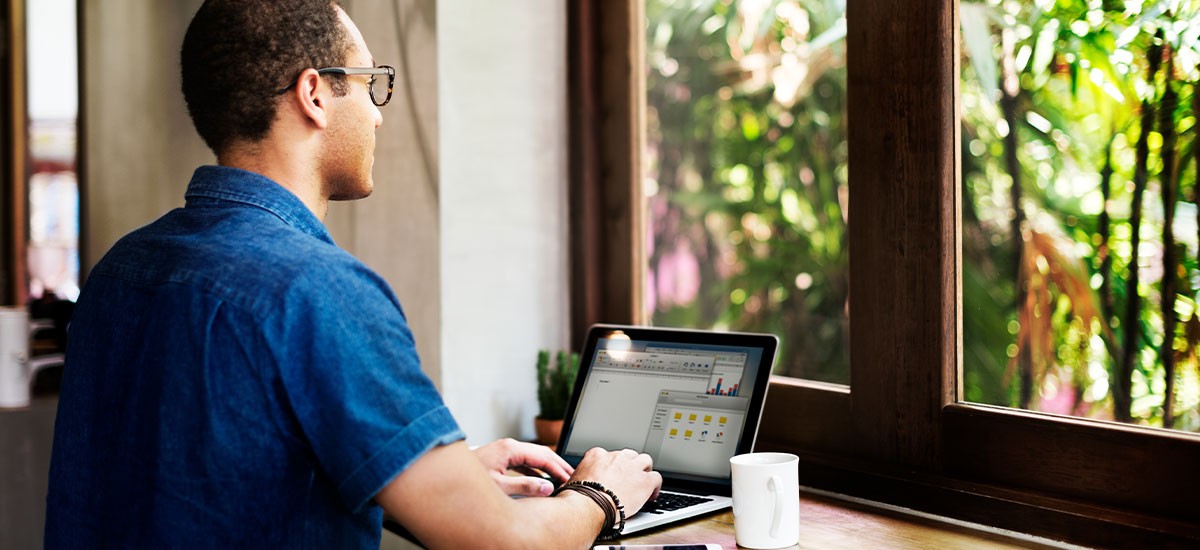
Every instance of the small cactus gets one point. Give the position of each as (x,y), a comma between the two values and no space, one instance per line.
(555,384)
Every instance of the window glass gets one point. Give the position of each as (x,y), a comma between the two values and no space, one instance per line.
(53,100)
(1079,214)
(746,173)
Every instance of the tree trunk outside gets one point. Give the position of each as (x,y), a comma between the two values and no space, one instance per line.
(1104,252)
(1009,88)
(1123,386)
(1166,126)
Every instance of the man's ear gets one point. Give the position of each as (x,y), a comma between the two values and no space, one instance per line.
(311,95)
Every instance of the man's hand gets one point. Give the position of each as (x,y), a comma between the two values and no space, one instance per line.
(627,473)
(504,454)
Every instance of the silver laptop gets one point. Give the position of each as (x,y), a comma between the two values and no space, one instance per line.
(689,399)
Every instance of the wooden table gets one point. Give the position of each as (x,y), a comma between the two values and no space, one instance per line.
(828,522)
(833,522)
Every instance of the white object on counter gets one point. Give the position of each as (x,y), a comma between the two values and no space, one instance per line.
(766,499)
(14,357)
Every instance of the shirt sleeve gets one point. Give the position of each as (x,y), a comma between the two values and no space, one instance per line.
(349,365)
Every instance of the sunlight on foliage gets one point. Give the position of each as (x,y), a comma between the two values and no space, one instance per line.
(1100,128)
(746,165)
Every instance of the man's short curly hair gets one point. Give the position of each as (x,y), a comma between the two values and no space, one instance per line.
(238,54)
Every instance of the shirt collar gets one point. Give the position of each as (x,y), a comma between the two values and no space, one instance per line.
(213,185)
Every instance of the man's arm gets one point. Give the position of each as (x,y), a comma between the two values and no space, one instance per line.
(447,499)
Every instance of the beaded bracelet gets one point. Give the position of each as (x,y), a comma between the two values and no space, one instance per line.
(612,509)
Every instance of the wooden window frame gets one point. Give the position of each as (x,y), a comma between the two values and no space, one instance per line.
(899,433)
(13,182)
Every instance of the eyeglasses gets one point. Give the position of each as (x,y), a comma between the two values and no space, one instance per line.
(376,85)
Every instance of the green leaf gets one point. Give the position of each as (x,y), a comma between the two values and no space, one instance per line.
(1043,53)
(980,45)
(750,128)
(768,19)
(834,34)
(1099,57)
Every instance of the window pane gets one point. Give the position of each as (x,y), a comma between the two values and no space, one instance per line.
(746,174)
(1080,272)
(53,93)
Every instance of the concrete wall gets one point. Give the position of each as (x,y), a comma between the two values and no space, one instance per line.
(467,221)
(139,144)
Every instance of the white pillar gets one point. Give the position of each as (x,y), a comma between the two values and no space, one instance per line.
(503,127)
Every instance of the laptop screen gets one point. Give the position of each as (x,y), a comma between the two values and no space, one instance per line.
(689,399)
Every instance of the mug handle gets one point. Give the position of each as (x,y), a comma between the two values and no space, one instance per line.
(775,484)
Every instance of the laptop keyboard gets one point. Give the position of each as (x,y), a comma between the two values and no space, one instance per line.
(671,501)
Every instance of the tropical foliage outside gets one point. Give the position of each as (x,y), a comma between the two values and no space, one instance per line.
(1078,150)
(1081,299)
(746,182)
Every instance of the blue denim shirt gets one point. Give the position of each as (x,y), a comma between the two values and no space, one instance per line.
(233,377)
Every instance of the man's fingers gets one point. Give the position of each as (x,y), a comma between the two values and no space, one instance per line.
(657,485)
(509,454)
(524,486)
(557,470)
(542,458)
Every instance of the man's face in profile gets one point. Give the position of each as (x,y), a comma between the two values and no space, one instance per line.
(350,154)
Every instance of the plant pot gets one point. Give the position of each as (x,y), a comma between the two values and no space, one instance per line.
(547,431)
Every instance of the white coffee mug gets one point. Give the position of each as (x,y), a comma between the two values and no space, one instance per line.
(14,357)
(766,499)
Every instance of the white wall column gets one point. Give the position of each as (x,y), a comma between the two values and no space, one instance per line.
(503,130)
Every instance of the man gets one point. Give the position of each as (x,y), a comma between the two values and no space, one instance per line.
(235,378)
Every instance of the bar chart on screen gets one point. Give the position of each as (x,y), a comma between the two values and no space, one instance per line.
(720,388)
(725,380)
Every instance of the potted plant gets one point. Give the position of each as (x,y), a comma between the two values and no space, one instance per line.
(555,384)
